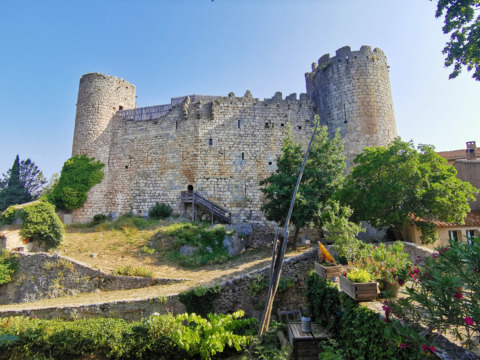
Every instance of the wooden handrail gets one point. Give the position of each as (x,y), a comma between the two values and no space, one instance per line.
(197,199)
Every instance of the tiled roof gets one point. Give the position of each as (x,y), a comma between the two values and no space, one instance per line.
(472,220)
(455,154)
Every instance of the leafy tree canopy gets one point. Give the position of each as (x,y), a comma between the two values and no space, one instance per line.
(462,22)
(79,174)
(397,185)
(322,176)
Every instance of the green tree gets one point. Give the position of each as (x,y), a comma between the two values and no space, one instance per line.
(13,191)
(462,22)
(30,176)
(322,176)
(79,174)
(396,185)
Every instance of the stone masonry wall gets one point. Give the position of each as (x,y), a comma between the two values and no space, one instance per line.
(353,94)
(223,148)
(44,276)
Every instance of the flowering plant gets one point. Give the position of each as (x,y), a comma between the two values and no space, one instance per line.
(388,264)
(445,293)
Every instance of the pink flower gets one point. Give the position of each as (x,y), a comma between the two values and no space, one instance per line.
(468,320)
(432,349)
(434,255)
(416,271)
(424,348)
(458,295)
(374,247)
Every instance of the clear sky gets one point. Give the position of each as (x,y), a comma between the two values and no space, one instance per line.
(170,48)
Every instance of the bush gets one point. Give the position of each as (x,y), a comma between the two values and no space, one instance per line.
(133,271)
(445,293)
(8,216)
(99,219)
(359,332)
(159,336)
(8,266)
(79,174)
(40,223)
(200,300)
(160,211)
(358,276)
(208,240)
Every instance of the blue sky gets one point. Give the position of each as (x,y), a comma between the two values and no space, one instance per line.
(180,47)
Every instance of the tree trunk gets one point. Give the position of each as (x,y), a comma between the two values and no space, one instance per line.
(295,238)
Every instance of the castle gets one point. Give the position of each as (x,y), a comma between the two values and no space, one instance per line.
(222,146)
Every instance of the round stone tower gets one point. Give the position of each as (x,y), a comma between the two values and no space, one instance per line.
(99,98)
(352,93)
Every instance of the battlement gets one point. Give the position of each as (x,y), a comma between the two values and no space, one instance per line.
(346,55)
(157,111)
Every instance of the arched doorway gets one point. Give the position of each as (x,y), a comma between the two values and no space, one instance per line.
(190,187)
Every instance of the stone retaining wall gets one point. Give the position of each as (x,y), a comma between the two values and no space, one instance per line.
(234,296)
(45,276)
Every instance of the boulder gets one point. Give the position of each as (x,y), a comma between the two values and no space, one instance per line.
(188,250)
(234,244)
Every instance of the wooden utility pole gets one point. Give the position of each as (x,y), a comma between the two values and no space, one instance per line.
(277,259)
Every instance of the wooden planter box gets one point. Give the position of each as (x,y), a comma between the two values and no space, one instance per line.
(327,272)
(307,346)
(359,291)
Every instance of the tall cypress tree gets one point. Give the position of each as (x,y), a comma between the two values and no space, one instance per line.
(15,192)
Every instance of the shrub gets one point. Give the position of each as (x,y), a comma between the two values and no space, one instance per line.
(445,293)
(360,333)
(79,174)
(200,300)
(208,240)
(133,271)
(8,266)
(323,300)
(8,216)
(40,223)
(160,211)
(358,276)
(159,336)
(99,219)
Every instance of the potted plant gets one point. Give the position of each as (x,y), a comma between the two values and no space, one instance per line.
(327,269)
(358,284)
(386,264)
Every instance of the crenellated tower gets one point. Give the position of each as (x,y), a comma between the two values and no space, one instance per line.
(99,98)
(352,93)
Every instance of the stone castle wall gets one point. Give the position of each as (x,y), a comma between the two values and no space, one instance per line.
(222,146)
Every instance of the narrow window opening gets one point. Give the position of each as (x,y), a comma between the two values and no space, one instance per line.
(269,163)
(176,125)
(190,187)
(126,167)
(139,211)
(210,142)
(267,125)
(120,107)
(243,156)
(238,124)
(282,124)
(299,128)
(155,122)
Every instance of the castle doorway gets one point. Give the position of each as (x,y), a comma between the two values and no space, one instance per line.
(190,187)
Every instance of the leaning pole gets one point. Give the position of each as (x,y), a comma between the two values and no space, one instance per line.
(277,259)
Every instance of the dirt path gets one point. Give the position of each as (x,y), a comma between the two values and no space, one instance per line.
(209,275)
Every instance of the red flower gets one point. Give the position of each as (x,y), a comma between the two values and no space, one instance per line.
(416,271)
(458,295)
(468,320)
